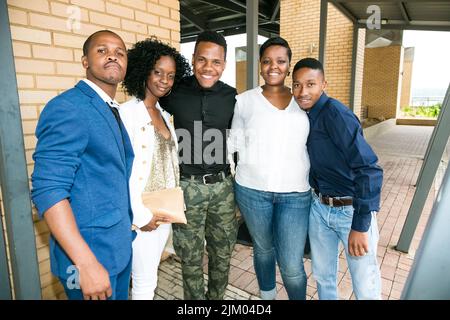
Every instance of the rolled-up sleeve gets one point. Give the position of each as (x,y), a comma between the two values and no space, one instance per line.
(346,133)
(62,138)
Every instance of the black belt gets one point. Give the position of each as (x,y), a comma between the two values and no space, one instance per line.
(333,201)
(209,178)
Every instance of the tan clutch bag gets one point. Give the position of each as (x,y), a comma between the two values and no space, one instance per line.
(168,202)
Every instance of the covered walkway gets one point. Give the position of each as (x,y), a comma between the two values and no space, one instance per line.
(400,150)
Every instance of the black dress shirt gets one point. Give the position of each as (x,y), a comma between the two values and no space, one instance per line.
(196,110)
(342,162)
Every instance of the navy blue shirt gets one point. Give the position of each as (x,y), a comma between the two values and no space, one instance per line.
(342,162)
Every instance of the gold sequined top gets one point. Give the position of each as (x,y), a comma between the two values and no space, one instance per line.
(165,172)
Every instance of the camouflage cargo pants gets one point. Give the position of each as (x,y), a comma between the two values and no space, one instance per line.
(210,212)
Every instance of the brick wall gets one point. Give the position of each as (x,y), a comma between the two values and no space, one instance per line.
(47,52)
(382,81)
(338,55)
(299,25)
(406,74)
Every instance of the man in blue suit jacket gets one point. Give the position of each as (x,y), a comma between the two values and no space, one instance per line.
(83,161)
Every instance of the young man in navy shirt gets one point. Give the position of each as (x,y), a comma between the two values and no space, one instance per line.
(347,183)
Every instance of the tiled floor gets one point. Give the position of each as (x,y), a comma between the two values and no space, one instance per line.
(400,151)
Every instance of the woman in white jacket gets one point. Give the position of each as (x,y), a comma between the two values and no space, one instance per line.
(153,69)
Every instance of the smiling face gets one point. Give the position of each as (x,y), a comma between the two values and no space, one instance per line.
(106,60)
(274,65)
(161,78)
(307,87)
(208,63)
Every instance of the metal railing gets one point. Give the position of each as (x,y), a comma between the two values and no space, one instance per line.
(426,101)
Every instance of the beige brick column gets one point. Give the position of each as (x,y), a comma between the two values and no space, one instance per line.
(357,95)
(406,74)
(299,25)
(382,81)
(47,45)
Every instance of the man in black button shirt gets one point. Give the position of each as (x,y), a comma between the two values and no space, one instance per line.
(202,107)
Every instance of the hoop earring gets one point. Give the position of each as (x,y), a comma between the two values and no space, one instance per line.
(170,91)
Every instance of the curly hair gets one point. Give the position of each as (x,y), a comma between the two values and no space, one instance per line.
(141,61)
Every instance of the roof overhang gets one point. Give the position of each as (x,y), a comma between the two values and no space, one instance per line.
(227,17)
(398,14)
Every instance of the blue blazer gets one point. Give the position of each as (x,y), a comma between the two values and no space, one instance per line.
(81,155)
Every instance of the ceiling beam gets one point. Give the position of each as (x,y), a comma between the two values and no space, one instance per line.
(385,22)
(227,24)
(275,11)
(234,31)
(233,5)
(197,21)
(230,25)
(217,26)
(228,5)
(387,1)
(411,26)
(221,17)
(404,12)
(261,13)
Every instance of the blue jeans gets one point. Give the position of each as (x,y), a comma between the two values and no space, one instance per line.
(327,227)
(120,284)
(278,225)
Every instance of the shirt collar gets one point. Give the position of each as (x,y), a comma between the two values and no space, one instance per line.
(144,118)
(103,95)
(318,106)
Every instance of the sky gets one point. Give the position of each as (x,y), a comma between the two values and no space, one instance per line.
(431,67)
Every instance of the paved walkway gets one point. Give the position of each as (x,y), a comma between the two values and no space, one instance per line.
(400,150)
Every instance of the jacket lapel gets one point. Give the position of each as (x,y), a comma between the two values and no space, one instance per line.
(103,109)
(129,154)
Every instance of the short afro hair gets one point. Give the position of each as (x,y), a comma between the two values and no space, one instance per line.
(214,37)
(141,61)
(310,63)
(275,41)
(88,41)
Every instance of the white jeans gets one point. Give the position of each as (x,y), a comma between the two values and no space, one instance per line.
(147,250)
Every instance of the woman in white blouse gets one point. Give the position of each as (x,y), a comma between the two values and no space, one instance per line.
(269,132)
(153,68)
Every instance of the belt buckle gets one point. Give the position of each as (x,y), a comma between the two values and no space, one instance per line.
(330,201)
(204,177)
